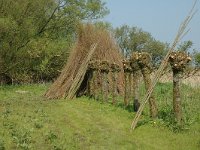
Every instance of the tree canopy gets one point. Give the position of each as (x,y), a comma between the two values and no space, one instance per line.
(36,35)
(132,39)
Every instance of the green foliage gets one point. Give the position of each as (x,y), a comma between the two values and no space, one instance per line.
(132,39)
(185,46)
(36,36)
(22,138)
(197,59)
(2,147)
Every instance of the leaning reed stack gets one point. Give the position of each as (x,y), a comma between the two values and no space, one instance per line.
(107,49)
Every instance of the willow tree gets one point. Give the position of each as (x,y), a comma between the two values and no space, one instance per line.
(145,64)
(178,62)
(115,69)
(127,78)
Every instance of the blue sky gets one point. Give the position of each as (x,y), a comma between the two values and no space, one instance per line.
(161,18)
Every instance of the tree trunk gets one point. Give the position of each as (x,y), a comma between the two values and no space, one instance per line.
(130,87)
(95,84)
(152,103)
(176,97)
(114,87)
(105,87)
(126,89)
(135,91)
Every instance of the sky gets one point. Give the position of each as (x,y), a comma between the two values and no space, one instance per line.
(161,18)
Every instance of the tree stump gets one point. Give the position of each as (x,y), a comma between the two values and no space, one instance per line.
(178,62)
(144,62)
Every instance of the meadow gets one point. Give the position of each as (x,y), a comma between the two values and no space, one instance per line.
(29,121)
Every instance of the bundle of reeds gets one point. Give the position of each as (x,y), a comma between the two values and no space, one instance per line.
(105,50)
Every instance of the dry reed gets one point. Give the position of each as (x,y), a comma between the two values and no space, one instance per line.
(106,49)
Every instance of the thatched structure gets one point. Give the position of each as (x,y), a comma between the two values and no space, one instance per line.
(106,50)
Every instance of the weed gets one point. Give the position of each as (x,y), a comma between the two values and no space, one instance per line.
(22,138)
(2,147)
(51,136)
(38,125)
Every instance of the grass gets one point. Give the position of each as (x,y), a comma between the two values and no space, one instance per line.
(28,121)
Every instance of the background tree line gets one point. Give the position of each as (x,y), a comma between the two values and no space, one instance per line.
(36,37)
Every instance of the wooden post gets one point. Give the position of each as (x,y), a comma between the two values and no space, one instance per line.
(144,62)
(178,62)
(114,69)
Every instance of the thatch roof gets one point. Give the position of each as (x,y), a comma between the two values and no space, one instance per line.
(106,50)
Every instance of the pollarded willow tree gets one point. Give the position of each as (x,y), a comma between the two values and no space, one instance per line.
(178,62)
(143,62)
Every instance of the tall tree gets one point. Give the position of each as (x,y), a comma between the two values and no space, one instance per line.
(35,35)
(132,39)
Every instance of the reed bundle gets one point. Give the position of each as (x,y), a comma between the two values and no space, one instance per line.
(107,49)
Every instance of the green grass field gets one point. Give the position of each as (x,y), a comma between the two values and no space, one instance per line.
(28,121)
